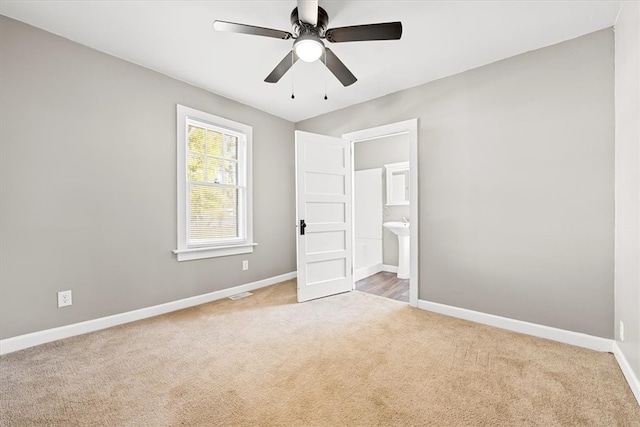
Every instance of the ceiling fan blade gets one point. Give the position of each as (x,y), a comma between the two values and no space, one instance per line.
(358,33)
(281,69)
(338,69)
(250,29)
(308,11)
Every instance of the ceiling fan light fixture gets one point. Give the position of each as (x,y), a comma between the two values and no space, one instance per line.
(308,48)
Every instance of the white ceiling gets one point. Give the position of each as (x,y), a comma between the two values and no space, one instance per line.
(440,38)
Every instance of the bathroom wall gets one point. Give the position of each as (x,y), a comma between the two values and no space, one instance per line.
(367,222)
(375,154)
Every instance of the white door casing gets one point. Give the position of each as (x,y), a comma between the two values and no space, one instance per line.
(324,197)
(409,127)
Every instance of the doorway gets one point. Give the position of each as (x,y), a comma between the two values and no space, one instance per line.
(370,243)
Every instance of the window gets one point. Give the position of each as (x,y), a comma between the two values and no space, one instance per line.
(214,186)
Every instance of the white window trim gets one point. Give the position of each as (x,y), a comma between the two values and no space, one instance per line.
(226,248)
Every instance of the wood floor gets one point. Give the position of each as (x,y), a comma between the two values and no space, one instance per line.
(386,285)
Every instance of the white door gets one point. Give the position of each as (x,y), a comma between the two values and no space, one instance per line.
(323,214)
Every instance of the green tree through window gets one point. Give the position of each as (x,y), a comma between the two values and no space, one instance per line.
(215,214)
(212,176)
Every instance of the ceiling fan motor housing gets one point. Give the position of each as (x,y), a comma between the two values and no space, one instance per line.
(301,28)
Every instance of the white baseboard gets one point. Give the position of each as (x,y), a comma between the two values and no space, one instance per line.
(555,334)
(361,273)
(20,342)
(390,268)
(368,271)
(630,376)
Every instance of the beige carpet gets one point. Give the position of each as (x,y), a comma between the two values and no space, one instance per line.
(351,359)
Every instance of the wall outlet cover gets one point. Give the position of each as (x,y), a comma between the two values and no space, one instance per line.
(64,298)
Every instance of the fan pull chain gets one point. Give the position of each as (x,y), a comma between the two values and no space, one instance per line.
(293,73)
(326,71)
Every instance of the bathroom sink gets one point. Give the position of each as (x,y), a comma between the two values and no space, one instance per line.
(397,227)
(401,229)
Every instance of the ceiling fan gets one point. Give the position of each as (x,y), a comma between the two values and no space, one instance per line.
(309,23)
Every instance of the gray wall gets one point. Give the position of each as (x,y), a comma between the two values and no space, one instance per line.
(376,153)
(516,183)
(88,185)
(627,258)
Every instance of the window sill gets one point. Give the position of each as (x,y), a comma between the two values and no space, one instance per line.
(213,251)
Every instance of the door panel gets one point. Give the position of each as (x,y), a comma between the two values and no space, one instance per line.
(323,190)
(324,212)
(325,271)
(318,183)
(326,242)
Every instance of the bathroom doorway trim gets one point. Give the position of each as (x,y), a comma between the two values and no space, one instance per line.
(409,127)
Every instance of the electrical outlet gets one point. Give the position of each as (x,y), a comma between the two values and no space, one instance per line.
(621,331)
(245,265)
(64,299)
